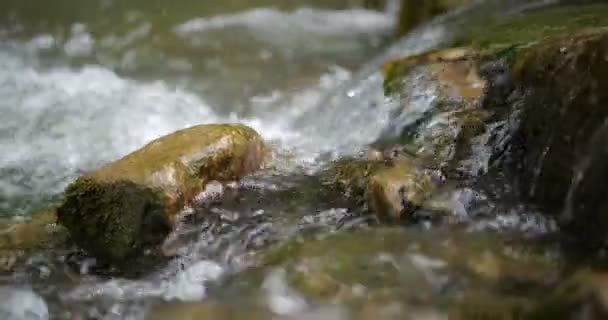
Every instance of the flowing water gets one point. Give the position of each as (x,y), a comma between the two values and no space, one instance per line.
(84,83)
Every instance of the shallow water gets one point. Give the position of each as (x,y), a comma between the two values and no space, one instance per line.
(84,84)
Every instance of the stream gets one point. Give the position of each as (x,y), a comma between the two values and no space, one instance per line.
(83,84)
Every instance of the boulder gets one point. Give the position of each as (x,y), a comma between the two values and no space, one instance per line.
(548,69)
(541,75)
(127,205)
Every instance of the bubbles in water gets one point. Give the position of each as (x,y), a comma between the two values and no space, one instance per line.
(59,122)
(282,299)
(189,285)
(80,42)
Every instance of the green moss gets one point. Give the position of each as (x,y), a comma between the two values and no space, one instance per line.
(327,267)
(339,260)
(481,306)
(114,220)
(532,27)
(350,176)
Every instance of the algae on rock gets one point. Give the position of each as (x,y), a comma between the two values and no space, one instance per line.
(392,189)
(451,112)
(397,264)
(130,204)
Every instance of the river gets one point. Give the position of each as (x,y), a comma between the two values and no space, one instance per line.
(84,83)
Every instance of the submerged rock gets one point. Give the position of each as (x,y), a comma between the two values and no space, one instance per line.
(204,311)
(128,205)
(21,238)
(383,266)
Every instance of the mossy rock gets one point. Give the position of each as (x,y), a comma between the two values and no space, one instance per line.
(561,140)
(582,295)
(442,137)
(391,262)
(22,238)
(392,189)
(394,193)
(532,27)
(204,311)
(544,71)
(350,176)
(127,205)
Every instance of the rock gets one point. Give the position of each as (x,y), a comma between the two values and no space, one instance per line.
(390,264)
(485,305)
(351,176)
(128,205)
(397,191)
(20,238)
(392,188)
(541,73)
(439,127)
(582,295)
(562,136)
(203,311)
(547,68)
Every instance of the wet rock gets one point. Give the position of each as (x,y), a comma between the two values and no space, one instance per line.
(558,90)
(21,238)
(440,93)
(204,311)
(583,295)
(542,73)
(351,176)
(397,191)
(392,188)
(484,305)
(127,205)
(400,265)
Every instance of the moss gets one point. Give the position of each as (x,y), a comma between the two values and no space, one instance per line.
(396,192)
(532,27)
(111,221)
(482,306)
(338,261)
(351,176)
(327,267)
(396,70)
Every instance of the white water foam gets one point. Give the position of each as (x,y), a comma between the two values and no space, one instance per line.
(302,30)
(22,304)
(185,285)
